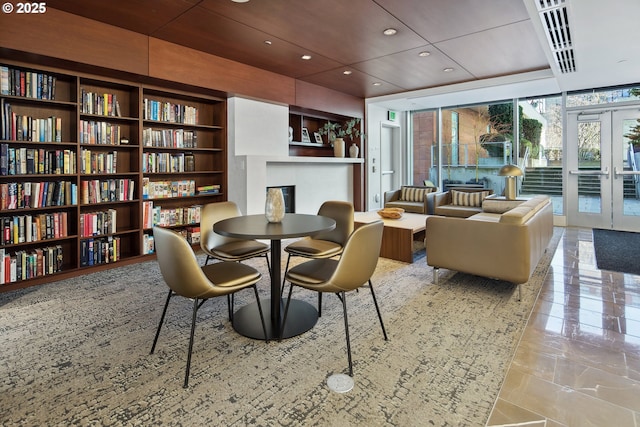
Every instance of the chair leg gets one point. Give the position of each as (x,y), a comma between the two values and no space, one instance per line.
(193,330)
(264,326)
(319,304)
(435,275)
(209,258)
(266,257)
(284,275)
(230,303)
(284,316)
(164,312)
(375,302)
(346,331)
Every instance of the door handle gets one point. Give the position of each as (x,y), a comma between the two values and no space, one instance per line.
(604,172)
(623,172)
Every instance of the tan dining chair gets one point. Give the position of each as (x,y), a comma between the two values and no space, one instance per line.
(185,277)
(353,270)
(225,248)
(327,244)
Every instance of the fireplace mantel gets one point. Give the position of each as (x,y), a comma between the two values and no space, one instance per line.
(317,179)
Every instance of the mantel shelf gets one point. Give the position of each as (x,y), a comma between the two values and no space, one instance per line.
(307,159)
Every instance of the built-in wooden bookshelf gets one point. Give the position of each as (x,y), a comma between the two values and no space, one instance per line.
(89,164)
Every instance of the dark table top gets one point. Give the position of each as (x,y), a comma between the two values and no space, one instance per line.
(257,226)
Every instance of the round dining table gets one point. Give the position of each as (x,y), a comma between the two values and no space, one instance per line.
(302,316)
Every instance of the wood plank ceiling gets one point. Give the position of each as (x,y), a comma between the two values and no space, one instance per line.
(474,39)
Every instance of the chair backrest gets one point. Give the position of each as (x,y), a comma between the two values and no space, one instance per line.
(342,213)
(209,215)
(178,264)
(359,258)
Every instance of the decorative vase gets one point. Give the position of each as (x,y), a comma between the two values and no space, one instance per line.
(354,150)
(338,147)
(274,206)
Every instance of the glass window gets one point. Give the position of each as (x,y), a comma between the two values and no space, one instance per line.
(540,153)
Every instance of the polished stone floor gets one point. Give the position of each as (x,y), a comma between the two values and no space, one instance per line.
(578,363)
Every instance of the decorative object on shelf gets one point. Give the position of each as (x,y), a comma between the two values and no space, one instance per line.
(511,172)
(338,147)
(354,150)
(274,206)
(305,135)
(349,129)
(391,213)
(318,138)
(290,134)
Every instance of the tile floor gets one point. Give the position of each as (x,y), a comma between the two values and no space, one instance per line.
(578,363)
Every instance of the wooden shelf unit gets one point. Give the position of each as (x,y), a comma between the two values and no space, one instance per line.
(93,134)
(313,121)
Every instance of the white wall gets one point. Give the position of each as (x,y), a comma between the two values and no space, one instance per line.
(258,157)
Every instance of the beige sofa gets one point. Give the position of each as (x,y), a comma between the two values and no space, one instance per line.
(411,198)
(459,202)
(504,242)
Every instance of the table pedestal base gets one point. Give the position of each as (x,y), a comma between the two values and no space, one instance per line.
(302,317)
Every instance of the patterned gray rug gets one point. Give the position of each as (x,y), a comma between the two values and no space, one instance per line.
(76,352)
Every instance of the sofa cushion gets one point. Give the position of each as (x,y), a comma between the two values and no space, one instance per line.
(463,198)
(457,211)
(413,194)
(411,207)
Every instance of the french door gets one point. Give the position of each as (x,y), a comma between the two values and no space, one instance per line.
(602,180)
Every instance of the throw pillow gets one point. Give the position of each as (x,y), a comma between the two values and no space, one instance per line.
(464,198)
(412,194)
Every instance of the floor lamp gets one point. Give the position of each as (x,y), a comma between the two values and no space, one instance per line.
(511,172)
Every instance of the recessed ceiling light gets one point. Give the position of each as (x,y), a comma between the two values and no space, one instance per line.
(390,32)
(240,1)
(377,84)
(347,72)
(424,53)
(267,42)
(306,57)
(448,70)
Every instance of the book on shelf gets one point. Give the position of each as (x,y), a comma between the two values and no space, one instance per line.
(209,189)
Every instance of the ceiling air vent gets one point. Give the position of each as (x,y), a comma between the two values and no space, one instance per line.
(555,20)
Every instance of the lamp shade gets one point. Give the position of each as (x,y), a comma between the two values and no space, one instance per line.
(510,170)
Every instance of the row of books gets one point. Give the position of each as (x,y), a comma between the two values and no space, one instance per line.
(107,190)
(170,138)
(103,104)
(169,217)
(98,223)
(102,250)
(20,127)
(168,162)
(169,112)
(33,228)
(24,265)
(92,132)
(191,234)
(98,162)
(33,161)
(17,82)
(167,189)
(20,195)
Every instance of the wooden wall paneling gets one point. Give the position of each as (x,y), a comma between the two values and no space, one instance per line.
(169,61)
(321,98)
(74,38)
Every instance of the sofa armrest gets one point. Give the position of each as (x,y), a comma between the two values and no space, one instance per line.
(439,199)
(391,196)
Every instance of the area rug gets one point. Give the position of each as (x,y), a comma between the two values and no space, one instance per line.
(617,250)
(76,352)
